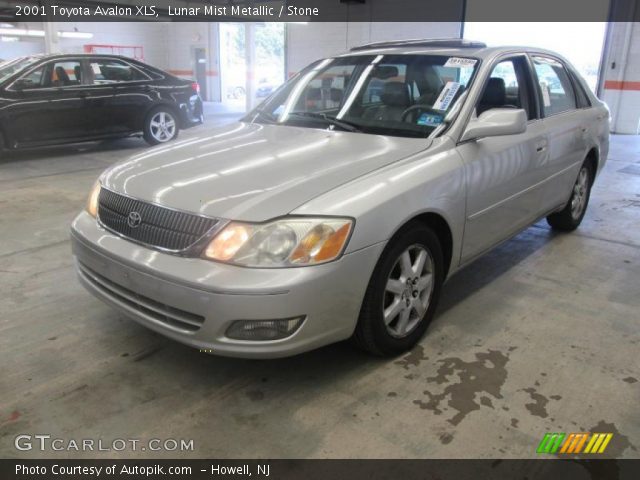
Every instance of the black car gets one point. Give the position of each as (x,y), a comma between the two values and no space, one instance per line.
(55,99)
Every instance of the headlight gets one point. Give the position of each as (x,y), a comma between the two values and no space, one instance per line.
(289,242)
(92,201)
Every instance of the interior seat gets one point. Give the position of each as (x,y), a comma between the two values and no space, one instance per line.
(494,96)
(63,78)
(395,100)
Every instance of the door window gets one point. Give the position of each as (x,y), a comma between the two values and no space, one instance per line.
(64,74)
(508,87)
(555,86)
(53,74)
(106,71)
(33,79)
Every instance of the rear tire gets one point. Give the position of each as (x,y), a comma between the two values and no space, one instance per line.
(570,217)
(403,292)
(160,126)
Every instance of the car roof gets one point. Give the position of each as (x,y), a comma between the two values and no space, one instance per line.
(50,56)
(441,46)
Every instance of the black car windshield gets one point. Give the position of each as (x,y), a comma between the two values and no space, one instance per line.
(399,95)
(7,69)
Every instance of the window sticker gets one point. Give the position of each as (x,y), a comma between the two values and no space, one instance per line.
(446,96)
(458,62)
(429,120)
(96,68)
(546,99)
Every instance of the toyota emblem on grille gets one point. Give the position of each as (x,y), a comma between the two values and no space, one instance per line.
(134,219)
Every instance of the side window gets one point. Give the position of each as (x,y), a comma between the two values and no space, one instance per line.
(107,71)
(53,74)
(32,80)
(554,85)
(64,74)
(581,94)
(504,88)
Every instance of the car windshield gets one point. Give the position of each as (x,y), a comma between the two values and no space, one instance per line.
(399,95)
(10,67)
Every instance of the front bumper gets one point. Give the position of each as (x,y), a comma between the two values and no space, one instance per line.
(194,301)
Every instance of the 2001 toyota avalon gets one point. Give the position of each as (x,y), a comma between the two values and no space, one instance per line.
(339,206)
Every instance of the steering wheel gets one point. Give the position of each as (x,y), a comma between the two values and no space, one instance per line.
(419,108)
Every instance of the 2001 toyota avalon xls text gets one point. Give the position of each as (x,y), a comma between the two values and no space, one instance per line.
(339,206)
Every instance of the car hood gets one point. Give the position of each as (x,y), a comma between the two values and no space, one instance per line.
(253,172)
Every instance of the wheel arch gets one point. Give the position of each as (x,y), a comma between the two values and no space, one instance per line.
(593,160)
(441,228)
(174,108)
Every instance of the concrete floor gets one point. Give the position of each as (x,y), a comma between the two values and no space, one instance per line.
(539,336)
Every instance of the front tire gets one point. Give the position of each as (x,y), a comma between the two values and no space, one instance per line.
(403,292)
(570,217)
(160,126)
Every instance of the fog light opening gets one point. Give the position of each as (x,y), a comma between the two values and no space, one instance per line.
(262,330)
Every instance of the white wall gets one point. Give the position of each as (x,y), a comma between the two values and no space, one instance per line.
(622,77)
(149,35)
(310,42)
(183,38)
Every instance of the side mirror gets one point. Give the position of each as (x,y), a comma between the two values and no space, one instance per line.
(495,122)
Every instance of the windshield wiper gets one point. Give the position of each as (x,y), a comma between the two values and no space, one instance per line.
(348,126)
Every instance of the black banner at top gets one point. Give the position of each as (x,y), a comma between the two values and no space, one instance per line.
(320,10)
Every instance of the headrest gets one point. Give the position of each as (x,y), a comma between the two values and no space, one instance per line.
(385,71)
(395,94)
(495,92)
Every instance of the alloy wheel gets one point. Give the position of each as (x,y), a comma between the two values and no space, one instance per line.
(580,191)
(163,126)
(408,291)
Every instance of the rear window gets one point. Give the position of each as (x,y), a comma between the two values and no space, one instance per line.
(108,71)
(556,89)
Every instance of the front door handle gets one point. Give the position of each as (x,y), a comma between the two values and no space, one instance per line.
(541,146)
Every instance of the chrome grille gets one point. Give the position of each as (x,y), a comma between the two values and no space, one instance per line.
(159,226)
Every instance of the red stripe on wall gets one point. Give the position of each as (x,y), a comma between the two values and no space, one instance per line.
(618,85)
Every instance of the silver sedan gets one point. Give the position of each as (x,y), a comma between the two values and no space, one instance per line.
(338,208)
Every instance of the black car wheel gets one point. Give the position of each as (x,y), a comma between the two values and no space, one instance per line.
(570,217)
(403,292)
(160,126)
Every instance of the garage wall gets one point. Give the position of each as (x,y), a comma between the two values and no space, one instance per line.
(184,37)
(621,76)
(151,36)
(306,43)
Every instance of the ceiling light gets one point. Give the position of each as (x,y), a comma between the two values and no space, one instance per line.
(20,32)
(62,34)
